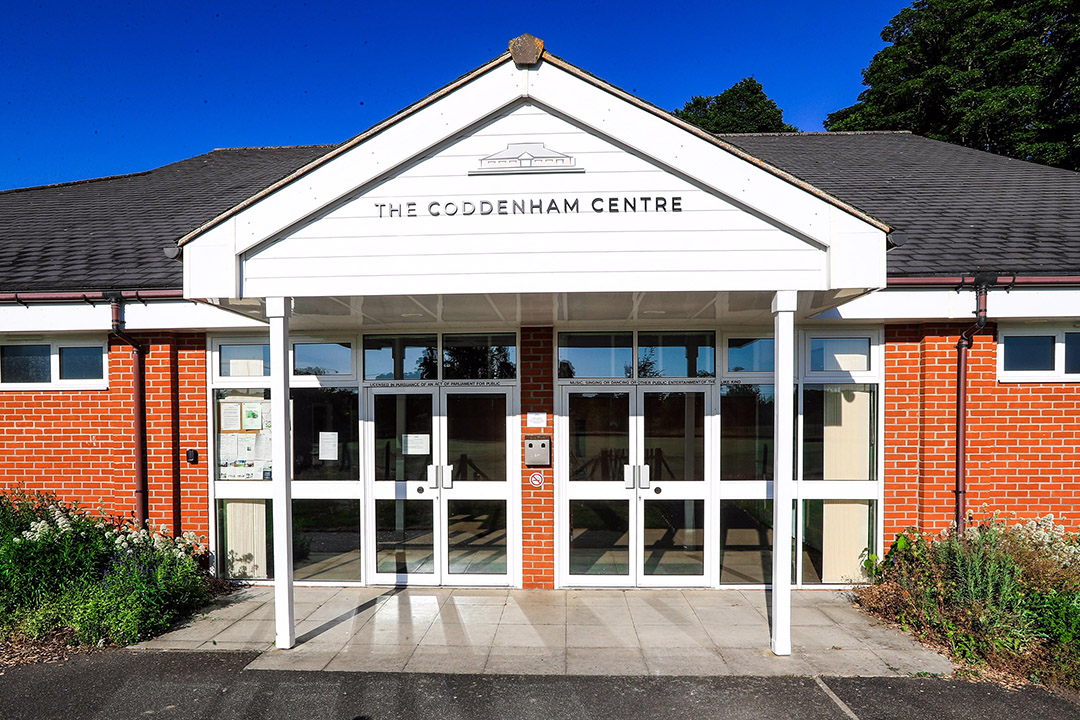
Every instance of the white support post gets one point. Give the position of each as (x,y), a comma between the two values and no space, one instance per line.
(277,311)
(783,308)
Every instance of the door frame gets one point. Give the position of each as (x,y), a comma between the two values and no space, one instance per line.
(438,391)
(636,577)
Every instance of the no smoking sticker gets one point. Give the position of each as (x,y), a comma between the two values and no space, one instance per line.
(537,480)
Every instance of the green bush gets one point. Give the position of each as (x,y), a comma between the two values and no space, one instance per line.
(1004,595)
(102,578)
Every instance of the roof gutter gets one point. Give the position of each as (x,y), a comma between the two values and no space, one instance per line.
(25,298)
(953,281)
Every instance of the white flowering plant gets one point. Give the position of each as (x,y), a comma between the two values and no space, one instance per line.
(105,578)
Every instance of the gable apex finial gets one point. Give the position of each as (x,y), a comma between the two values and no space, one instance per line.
(526,50)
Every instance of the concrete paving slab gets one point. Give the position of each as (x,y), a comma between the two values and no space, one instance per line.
(685,661)
(371,658)
(456,660)
(547,636)
(601,636)
(819,637)
(543,597)
(247,631)
(739,636)
(605,661)
(847,662)
(533,614)
(460,635)
(729,615)
(526,661)
(758,662)
(596,598)
(453,612)
(302,657)
(673,636)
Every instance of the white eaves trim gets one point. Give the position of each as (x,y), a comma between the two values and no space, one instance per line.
(83,317)
(920,305)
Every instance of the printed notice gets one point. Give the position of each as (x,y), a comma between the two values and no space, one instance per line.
(262,447)
(226,448)
(536,419)
(252,416)
(266,416)
(245,448)
(328,446)
(230,417)
(415,444)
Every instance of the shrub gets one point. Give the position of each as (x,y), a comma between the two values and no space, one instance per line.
(103,578)
(998,594)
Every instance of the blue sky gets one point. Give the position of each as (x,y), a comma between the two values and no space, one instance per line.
(89,89)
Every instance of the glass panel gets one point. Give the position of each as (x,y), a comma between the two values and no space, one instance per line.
(596,354)
(599,537)
(404,536)
(25,364)
(326,434)
(242,443)
(479,357)
(402,437)
(244,360)
(326,539)
(674,537)
(81,363)
(245,539)
(675,435)
(746,432)
(1029,352)
(746,541)
(750,355)
(599,436)
(676,354)
(401,357)
(476,436)
(836,533)
(322,359)
(1072,352)
(476,536)
(839,432)
(840,354)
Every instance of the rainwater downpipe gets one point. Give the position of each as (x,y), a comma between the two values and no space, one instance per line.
(982,284)
(138,352)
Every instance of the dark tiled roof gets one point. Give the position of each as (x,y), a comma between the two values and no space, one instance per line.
(962,210)
(109,234)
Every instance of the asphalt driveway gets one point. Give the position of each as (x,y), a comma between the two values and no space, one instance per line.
(123,684)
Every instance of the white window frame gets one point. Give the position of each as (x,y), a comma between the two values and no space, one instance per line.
(56,383)
(1057,374)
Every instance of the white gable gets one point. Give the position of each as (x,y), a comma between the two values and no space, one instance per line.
(534,180)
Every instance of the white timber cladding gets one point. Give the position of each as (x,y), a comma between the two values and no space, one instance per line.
(154,315)
(699,218)
(426,227)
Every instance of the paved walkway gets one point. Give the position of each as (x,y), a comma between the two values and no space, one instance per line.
(555,632)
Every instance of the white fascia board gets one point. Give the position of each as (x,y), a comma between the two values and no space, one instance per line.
(856,253)
(916,305)
(403,141)
(211,267)
(82,317)
(664,142)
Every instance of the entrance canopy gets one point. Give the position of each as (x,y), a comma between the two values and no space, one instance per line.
(519,187)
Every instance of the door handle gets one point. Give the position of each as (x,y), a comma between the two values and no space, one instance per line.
(433,476)
(629,476)
(447,472)
(643,476)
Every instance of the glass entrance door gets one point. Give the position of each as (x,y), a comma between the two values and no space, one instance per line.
(439,471)
(636,462)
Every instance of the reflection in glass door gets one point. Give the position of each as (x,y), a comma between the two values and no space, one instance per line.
(440,482)
(636,492)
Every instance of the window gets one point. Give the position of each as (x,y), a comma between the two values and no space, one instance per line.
(839,354)
(1042,354)
(401,357)
(676,354)
(596,355)
(245,361)
(67,364)
(750,355)
(323,359)
(479,357)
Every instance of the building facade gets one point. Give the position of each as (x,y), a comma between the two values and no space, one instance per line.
(534,332)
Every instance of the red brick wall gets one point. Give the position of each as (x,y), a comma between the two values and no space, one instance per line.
(1023,439)
(536,367)
(79,444)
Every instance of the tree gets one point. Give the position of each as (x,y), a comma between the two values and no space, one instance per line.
(997,75)
(742,108)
